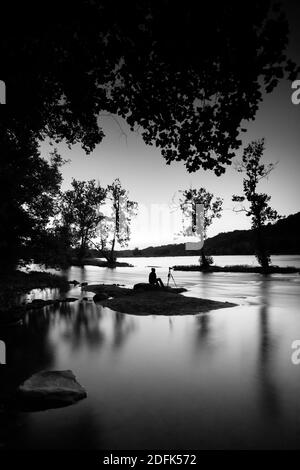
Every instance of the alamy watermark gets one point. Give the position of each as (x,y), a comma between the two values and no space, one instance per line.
(295,357)
(2,352)
(296,94)
(2,92)
(160,220)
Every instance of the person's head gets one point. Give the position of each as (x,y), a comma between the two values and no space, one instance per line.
(153,270)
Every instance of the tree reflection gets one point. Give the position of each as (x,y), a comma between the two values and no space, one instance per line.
(80,324)
(123,326)
(267,389)
(203,321)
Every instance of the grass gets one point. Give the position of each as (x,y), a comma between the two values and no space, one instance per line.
(238,269)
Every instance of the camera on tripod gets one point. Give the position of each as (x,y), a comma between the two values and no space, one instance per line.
(170,276)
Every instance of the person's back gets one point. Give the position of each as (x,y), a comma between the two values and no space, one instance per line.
(152,277)
(153,280)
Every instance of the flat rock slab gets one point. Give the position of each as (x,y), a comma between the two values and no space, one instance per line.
(109,290)
(143,286)
(50,389)
(163,303)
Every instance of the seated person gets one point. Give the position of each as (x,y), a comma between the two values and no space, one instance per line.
(153,280)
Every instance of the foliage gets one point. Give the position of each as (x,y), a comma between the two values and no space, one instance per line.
(259,209)
(28,188)
(211,209)
(80,213)
(240,268)
(187,74)
(96,217)
(115,225)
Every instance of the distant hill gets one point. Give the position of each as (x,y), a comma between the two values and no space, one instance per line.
(281,238)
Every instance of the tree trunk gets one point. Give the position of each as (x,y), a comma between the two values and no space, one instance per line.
(81,253)
(112,260)
(203,261)
(262,255)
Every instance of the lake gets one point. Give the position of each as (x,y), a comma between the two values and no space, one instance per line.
(221,380)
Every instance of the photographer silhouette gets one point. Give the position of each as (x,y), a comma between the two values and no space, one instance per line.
(155,281)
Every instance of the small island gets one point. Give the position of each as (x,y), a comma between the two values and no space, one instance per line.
(238,269)
(141,300)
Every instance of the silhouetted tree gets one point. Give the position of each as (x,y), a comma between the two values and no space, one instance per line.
(259,210)
(55,248)
(136,251)
(186,73)
(29,186)
(115,226)
(212,208)
(80,212)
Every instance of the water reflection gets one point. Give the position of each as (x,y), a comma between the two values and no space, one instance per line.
(203,321)
(123,326)
(203,327)
(270,402)
(214,380)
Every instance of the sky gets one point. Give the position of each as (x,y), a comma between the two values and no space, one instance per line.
(153,184)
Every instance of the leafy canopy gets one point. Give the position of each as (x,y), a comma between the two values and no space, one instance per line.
(115,224)
(80,212)
(211,205)
(187,73)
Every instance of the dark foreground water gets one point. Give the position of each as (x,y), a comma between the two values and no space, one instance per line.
(220,380)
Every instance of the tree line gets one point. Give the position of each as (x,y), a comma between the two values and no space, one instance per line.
(186,74)
(85,217)
(69,225)
(252,202)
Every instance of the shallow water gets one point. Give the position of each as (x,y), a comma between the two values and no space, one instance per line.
(211,381)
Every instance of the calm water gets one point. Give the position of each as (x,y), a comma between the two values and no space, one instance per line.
(220,380)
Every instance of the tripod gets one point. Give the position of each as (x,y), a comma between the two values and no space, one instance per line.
(170,276)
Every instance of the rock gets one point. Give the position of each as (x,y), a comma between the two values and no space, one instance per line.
(75,283)
(50,389)
(100,296)
(111,290)
(67,300)
(145,287)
